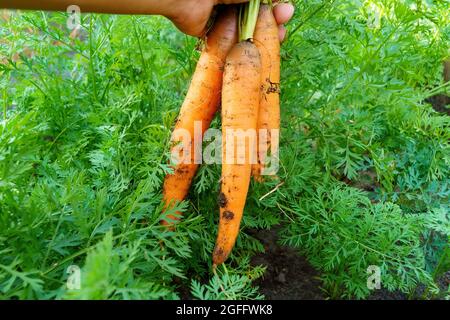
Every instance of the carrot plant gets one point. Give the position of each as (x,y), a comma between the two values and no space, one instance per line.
(85,127)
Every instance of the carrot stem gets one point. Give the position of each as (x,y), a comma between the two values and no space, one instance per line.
(248,16)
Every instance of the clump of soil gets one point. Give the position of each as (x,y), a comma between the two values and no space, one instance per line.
(440,103)
(289,276)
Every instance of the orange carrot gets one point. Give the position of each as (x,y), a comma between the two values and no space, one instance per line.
(267,40)
(201,102)
(240,104)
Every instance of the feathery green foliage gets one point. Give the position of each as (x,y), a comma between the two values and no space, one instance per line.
(84,131)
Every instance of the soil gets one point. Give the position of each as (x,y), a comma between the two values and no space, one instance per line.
(289,276)
(440,103)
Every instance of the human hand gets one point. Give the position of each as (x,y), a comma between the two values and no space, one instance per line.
(191,16)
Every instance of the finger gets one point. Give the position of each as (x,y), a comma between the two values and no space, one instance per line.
(283,12)
(281,32)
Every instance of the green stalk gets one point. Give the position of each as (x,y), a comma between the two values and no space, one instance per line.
(248,15)
(5,106)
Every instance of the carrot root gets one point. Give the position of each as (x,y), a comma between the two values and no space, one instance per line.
(201,102)
(240,104)
(267,40)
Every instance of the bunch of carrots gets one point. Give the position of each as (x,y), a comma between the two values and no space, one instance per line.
(239,70)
